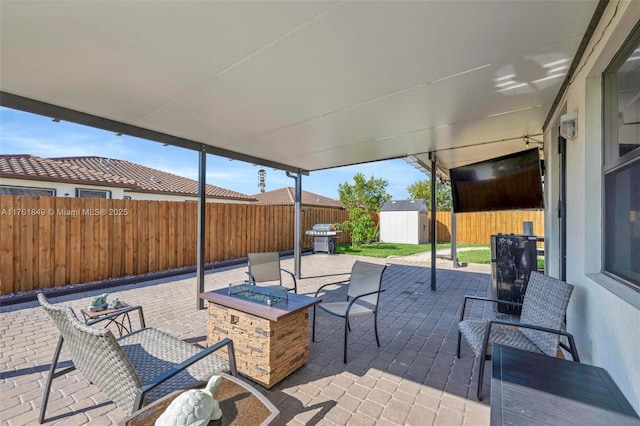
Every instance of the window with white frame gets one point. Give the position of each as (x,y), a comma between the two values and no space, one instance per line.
(621,166)
(92,193)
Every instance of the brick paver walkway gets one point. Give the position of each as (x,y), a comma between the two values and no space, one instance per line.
(414,378)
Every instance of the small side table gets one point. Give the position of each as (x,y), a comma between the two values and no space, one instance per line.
(529,388)
(120,317)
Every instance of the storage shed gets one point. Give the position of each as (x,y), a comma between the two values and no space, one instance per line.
(404,221)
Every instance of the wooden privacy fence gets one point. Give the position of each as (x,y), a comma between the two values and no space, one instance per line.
(52,241)
(477,228)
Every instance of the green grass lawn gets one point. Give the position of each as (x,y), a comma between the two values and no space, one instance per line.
(481,256)
(392,249)
(475,256)
(484,257)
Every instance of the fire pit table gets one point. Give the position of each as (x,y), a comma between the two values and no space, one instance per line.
(269,329)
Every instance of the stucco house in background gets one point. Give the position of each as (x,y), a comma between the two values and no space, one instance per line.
(96,177)
(286,197)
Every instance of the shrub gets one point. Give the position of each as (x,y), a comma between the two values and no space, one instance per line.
(362,227)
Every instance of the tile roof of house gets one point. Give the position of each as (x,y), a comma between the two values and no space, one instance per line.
(286,197)
(107,172)
(151,180)
(27,166)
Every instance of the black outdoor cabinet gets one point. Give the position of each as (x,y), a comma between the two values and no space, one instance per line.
(513,257)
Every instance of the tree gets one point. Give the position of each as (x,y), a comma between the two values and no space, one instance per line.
(368,195)
(421,190)
(361,199)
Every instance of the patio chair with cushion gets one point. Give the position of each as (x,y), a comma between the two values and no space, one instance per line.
(265,268)
(363,286)
(135,369)
(541,324)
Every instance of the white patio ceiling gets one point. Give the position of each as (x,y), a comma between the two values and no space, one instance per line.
(306,85)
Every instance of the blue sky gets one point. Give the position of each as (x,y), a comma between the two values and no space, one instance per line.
(24,133)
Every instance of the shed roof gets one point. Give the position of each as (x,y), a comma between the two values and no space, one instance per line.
(403,206)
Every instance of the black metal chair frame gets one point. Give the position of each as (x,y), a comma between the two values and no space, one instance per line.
(145,388)
(347,326)
(253,280)
(484,357)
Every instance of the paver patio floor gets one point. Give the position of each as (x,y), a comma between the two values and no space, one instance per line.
(414,378)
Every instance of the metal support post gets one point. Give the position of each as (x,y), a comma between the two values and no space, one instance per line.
(454,242)
(432,156)
(297,234)
(202,212)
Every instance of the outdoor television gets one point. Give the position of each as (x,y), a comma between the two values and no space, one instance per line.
(511,182)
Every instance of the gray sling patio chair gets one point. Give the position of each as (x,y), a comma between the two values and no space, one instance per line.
(363,286)
(265,268)
(135,369)
(541,323)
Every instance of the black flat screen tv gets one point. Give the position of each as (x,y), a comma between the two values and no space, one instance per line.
(511,182)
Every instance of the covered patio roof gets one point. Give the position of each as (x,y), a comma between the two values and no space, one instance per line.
(299,86)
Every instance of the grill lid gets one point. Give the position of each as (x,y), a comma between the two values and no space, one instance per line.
(324,227)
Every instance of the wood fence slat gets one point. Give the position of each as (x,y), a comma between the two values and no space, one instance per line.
(251,228)
(212,232)
(191,232)
(75,241)
(29,240)
(129,235)
(8,245)
(153,227)
(142,238)
(171,248)
(244,229)
(62,237)
(104,225)
(45,242)
(180,230)
(208,237)
(116,244)
(87,247)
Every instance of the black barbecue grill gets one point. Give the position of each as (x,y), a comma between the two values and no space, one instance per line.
(324,237)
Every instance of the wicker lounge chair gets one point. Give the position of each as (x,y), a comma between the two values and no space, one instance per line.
(136,368)
(265,267)
(364,286)
(539,330)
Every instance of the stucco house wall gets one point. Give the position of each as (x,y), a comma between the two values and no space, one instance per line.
(603,314)
(167,197)
(62,189)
